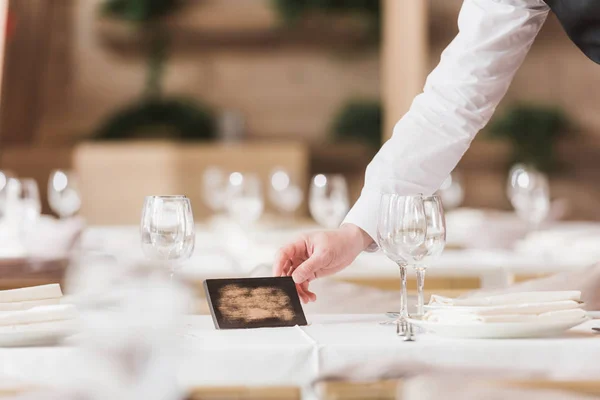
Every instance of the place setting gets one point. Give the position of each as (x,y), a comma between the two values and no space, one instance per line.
(412,232)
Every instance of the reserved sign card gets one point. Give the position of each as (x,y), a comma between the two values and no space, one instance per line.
(254,303)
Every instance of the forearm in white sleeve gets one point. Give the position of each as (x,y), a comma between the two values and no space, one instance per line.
(458,100)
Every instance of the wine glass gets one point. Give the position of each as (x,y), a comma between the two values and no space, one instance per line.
(23,208)
(4,177)
(284,193)
(64,196)
(214,188)
(23,200)
(452,191)
(167,230)
(435,240)
(401,233)
(529,194)
(245,201)
(328,200)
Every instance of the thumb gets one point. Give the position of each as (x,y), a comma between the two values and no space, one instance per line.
(307,270)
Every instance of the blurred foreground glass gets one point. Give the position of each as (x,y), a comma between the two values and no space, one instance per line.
(4,177)
(529,194)
(432,248)
(167,230)
(452,191)
(284,193)
(401,234)
(64,196)
(245,201)
(214,189)
(328,200)
(131,320)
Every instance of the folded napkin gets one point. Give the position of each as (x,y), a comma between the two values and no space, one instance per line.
(26,294)
(25,305)
(507,299)
(50,327)
(525,309)
(445,317)
(39,314)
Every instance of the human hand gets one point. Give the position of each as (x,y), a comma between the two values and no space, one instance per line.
(319,254)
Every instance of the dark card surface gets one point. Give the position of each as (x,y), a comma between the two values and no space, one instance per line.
(254,303)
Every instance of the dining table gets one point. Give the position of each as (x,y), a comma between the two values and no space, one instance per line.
(352,347)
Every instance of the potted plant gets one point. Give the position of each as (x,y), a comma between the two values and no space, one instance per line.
(154,115)
(532,132)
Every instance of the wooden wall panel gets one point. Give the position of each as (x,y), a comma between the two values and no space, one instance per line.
(36,67)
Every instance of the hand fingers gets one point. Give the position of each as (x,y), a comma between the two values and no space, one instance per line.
(307,270)
(295,250)
(311,295)
(302,294)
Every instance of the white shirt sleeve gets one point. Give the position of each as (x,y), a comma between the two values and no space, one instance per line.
(458,100)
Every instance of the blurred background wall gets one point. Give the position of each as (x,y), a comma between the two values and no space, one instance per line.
(69,68)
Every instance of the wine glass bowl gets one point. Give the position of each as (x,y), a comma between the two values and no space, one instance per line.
(167,230)
(64,196)
(245,202)
(285,195)
(214,188)
(529,194)
(328,200)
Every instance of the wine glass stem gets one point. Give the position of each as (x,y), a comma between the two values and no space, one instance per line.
(420,290)
(403,294)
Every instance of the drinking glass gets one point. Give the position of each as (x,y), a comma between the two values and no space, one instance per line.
(214,188)
(401,234)
(23,201)
(23,209)
(167,230)
(284,193)
(328,200)
(4,177)
(529,194)
(245,201)
(452,191)
(64,196)
(432,248)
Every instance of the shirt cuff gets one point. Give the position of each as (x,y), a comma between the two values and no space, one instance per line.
(365,214)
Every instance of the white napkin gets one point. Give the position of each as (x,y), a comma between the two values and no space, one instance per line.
(42,292)
(444,317)
(39,314)
(50,327)
(25,305)
(525,309)
(507,299)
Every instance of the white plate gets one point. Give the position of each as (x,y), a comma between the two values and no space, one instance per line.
(39,334)
(505,330)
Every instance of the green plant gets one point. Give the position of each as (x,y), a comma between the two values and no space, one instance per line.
(154,115)
(360,121)
(532,131)
(180,119)
(292,10)
(140,11)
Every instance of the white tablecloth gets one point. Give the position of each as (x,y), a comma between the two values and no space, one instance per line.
(330,345)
